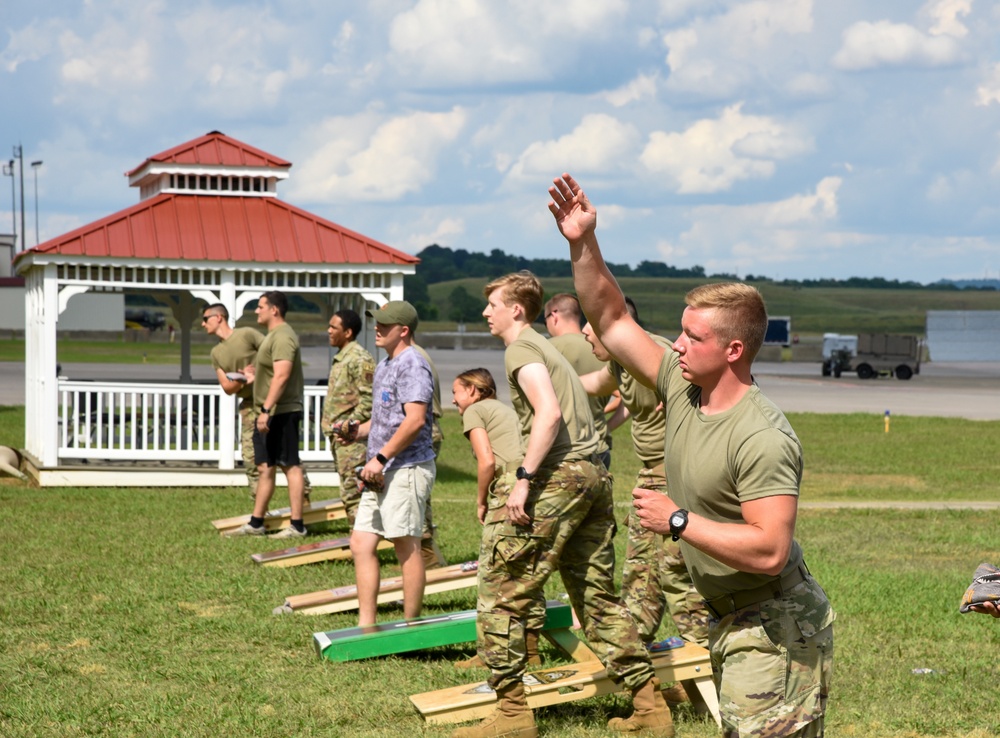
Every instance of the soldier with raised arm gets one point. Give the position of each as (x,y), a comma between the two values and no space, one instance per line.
(654,577)
(556,514)
(734,465)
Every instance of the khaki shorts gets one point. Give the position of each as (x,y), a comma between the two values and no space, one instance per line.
(398,510)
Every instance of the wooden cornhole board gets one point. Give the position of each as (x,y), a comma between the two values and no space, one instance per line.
(317,512)
(310,553)
(342,599)
(690,664)
(417,634)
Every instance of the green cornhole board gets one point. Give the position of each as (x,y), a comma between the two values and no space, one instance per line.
(317,512)
(400,636)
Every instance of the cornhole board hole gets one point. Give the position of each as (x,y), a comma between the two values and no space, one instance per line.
(690,664)
(400,636)
(317,512)
(342,599)
(310,553)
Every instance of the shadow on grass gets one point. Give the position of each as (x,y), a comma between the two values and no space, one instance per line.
(450,474)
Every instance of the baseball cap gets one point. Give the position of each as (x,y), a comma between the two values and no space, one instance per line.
(396,312)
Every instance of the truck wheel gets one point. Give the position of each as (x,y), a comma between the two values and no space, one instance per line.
(865,371)
(836,371)
(903,372)
(826,368)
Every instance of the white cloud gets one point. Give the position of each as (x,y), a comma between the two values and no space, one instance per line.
(713,155)
(431,229)
(808,84)
(105,60)
(368,157)
(29,44)
(446,42)
(944,14)
(599,144)
(760,237)
(715,54)
(868,45)
(643,87)
(989,91)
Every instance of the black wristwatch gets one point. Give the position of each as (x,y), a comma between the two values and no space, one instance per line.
(265,410)
(678,522)
(381,459)
(522,473)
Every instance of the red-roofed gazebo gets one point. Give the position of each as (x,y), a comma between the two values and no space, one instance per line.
(209,226)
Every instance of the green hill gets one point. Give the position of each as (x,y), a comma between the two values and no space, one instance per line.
(814,310)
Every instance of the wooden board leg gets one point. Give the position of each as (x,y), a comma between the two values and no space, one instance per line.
(703,696)
(569,644)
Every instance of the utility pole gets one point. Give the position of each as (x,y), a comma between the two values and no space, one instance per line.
(34,168)
(19,155)
(8,170)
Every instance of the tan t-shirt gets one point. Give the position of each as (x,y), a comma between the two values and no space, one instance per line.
(716,462)
(500,423)
(280,344)
(235,354)
(576,437)
(581,357)
(648,425)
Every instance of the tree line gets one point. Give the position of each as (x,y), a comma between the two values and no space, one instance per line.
(443,264)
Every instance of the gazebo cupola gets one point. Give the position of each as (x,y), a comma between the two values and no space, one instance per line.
(211,165)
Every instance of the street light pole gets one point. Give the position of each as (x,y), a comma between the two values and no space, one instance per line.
(19,155)
(8,170)
(34,167)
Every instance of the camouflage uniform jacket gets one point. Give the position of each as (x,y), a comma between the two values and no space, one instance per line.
(349,392)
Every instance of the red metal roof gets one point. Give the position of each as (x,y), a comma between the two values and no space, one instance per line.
(215,149)
(221,228)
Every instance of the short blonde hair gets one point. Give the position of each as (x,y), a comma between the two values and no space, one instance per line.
(740,313)
(521,288)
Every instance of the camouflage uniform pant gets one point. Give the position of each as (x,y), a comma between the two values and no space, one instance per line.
(347,459)
(571,532)
(655,577)
(437,438)
(248,419)
(773,662)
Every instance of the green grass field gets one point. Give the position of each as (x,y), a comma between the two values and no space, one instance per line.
(125,614)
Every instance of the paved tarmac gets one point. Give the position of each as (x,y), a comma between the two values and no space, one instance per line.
(966,390)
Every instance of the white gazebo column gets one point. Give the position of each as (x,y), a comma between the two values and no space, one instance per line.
(45,414)
(227,294)
(34,323)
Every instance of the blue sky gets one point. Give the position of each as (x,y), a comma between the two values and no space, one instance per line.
(788,138)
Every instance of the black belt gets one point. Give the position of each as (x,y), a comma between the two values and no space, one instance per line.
(722,606)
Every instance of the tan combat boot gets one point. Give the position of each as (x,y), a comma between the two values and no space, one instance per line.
(530,646)
(511,719)
(431,554)
(650,716)
(676,695)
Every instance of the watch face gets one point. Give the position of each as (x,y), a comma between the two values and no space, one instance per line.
(676,519)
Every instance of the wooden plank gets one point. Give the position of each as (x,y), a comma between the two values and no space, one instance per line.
(690,664)
(310,553)
(400,636)
(317,512)
(342,599)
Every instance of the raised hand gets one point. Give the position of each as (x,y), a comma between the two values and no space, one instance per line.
(574,214)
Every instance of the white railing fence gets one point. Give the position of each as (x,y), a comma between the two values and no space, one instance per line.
(137,421)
